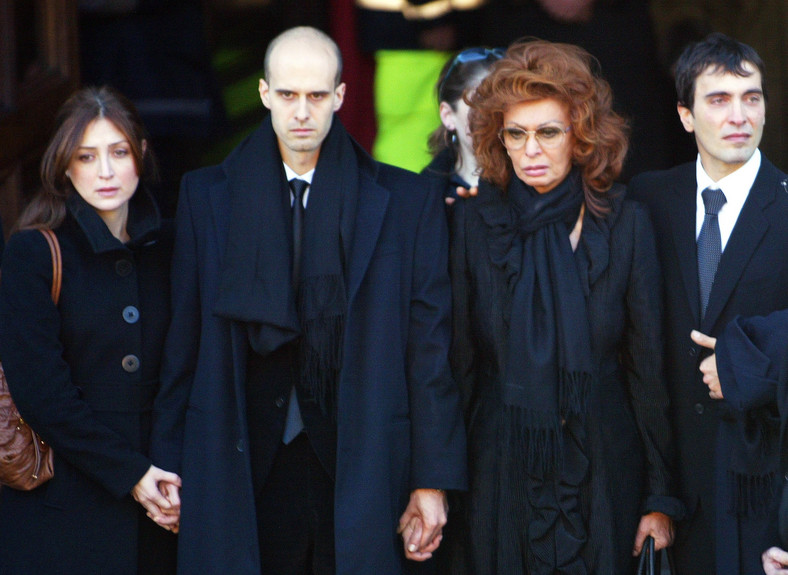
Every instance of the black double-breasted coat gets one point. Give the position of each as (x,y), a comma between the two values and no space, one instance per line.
(84,375)
(630,450)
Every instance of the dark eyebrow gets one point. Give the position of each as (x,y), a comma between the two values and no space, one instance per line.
(118,143)
(316,92)
(747,93)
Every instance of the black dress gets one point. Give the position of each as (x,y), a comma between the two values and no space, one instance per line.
(84,375)
(617,464)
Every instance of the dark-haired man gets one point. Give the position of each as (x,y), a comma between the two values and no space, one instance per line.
(722,223)
(306,397)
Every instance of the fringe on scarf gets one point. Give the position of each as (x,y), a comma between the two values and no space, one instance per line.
(752,495)
(573,390)
(322,312)
(536,435)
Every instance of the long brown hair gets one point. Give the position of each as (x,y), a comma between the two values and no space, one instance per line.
(48,207)
(534,70)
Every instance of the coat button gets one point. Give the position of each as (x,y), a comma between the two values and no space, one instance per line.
(123,267)
(130,363)
(699,408)
(240,445)
(693,352)
(280,401)
(131,314)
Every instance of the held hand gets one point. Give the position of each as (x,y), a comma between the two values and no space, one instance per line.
(659,526)
(422,523)
(150,493)
(173,494)
(708,366)
(775,561)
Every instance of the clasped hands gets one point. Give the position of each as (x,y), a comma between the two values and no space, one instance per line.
(158,493)
(421,525)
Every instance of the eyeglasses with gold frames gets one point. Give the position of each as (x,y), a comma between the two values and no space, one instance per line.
(547,136)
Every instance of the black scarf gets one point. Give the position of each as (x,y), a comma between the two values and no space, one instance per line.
(753,441)
(548,361)
(255,285)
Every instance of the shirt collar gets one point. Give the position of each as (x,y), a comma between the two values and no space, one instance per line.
(736,186)
(290,174)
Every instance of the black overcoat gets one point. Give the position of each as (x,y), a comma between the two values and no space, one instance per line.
(630,447)
(398,421)
(752,279)
(84,375)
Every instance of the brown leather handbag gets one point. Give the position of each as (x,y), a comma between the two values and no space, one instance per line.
(25,460)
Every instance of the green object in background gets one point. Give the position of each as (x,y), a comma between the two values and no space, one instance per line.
(406,105)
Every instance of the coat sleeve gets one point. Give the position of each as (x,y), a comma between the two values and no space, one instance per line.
(750,352)
(437,433)
(182,343)
(642,357)
(40,380)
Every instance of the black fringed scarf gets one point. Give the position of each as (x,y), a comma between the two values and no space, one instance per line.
(548,363)
(753,441)
(255,285)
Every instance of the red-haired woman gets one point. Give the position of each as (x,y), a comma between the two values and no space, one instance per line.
(558,341)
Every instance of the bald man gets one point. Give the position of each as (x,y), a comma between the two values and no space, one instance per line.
(308,402)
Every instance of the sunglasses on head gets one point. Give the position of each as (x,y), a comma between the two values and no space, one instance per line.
(472,55)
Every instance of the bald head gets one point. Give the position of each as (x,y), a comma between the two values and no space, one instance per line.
(304,37)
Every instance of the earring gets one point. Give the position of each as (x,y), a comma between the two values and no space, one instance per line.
(453,137)
(68,174)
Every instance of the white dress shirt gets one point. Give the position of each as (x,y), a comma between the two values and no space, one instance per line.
(307,177)
(735,186)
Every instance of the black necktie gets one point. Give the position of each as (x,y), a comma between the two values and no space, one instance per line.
(709,244)
(293,422)
(298,187)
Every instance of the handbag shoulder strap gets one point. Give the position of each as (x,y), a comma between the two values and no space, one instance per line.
(57,263)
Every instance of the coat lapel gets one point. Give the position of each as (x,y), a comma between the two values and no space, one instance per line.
(372,203)
(747,234)
(681,211)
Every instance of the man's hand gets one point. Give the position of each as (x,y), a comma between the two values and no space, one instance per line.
(775,561)
(422,523)
(157,492)
(708,366)
(659,526)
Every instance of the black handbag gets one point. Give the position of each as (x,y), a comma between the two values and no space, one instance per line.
(648,564)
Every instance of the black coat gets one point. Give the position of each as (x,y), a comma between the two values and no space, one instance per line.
(752,364)
(84,375)
(630,453)
(398,420)
(752,279)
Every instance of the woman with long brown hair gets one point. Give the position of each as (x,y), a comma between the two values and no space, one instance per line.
(84,373)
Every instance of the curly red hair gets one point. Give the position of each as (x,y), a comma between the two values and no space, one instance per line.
(536,70)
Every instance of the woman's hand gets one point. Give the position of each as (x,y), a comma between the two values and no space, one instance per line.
(422,522)
(157,492)
(659,526)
